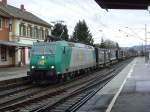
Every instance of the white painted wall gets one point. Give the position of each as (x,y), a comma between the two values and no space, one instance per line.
(16,27)
(27,56)
(17,57)
(14,36)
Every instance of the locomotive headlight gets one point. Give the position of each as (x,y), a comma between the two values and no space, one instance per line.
(52,67)
(42,57)
(32,67)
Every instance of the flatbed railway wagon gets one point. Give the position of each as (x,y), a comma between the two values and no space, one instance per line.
(102,57)
(113,56)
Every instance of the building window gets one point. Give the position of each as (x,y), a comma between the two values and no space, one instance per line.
(10,27)
(3,53)
(29,31)
(46,33)
(41,34)
(35,32)
(1,24)
(38,33)
(33,35)
(22,30)
(6,23)
(11,51)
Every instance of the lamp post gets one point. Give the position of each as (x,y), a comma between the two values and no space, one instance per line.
(145,37)
(146,52)
(102,39)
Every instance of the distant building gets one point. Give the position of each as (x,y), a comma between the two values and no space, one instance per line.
(18,30)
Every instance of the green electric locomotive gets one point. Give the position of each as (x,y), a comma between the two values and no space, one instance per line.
(51,61)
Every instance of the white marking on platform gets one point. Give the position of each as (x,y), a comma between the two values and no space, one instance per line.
(120,89)
(131,70)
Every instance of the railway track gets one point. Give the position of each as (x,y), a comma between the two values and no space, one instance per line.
(76,99)
(19,99)
(13,83)
(30,98)
(82,96)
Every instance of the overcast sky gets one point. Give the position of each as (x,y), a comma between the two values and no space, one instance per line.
(101,23)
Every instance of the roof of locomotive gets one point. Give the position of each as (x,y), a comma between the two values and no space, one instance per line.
(63,43)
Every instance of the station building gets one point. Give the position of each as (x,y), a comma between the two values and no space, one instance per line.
(18,30)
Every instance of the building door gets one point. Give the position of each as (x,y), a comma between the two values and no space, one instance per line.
(23,56)
(12,56)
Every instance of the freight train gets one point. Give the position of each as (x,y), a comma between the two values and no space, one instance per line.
(62,60)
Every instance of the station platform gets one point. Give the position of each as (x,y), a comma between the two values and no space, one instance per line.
(13,72)
(129,91)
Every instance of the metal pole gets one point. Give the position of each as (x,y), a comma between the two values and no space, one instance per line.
(146,43)
(145,36)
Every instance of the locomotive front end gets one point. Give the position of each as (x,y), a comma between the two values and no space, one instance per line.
(42,62)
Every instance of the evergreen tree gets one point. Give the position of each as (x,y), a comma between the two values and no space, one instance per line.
(117,45)
(82,34)
(109,44)
(61,31)
(102,45)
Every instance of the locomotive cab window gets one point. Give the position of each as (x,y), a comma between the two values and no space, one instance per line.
(41,49)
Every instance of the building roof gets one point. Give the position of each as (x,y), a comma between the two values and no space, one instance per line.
(123,4)
(25,15)
(13,44)
(2,13)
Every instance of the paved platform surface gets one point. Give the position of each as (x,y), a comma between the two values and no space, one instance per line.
(129,91)
(13,72)
(135,95)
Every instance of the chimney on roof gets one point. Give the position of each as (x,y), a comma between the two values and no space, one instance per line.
(22,7)
(4,2)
